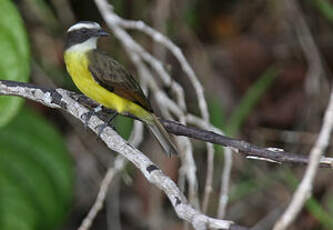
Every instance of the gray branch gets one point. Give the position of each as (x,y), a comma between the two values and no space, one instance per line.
(251,151)
(62,99)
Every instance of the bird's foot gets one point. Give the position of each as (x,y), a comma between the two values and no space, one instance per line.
(101,127)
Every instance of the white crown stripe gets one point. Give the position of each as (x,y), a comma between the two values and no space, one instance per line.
(85,25)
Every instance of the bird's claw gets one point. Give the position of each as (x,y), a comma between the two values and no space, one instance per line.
(102,126)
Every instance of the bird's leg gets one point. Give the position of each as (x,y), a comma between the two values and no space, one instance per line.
(101,127)
(86,116)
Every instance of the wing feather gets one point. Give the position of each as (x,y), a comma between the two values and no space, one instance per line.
(114,77)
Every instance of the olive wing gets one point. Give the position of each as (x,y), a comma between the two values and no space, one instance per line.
(114,77)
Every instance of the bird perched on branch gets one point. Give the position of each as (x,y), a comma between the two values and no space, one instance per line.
(101,78)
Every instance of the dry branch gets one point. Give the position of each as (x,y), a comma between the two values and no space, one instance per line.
(248,149)
(62,99)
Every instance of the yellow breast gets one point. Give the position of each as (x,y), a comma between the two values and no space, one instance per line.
(77,66)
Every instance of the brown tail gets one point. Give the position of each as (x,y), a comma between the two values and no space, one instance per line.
(162,136)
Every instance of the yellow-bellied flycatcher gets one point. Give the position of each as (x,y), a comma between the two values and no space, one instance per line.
(104,80)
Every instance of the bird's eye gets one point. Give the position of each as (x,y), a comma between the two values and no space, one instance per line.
(84,31)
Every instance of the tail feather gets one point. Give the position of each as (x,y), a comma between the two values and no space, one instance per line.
(162,136)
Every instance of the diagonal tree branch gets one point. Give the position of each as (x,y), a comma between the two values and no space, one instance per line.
(61,99)
(28,91)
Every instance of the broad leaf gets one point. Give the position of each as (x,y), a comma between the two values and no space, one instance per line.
(14,56)
(35,174)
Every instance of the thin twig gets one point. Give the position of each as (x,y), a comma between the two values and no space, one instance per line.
(225,180)
(119,164)
(209,177)
(210,159)
(163,40)
(315,71)
(225,177)
(304,189)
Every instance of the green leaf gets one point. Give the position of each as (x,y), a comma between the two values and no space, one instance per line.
(312,204)
(119,6)
(325,8)
(15,204)
(35,174)
(319,213)
(14,56)
(217,114)
(124,126)
(250,99)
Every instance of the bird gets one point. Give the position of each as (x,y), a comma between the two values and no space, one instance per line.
(101,78)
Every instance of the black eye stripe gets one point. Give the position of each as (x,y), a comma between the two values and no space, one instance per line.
(79,36)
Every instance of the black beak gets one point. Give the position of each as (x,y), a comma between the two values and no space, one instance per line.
(102,33)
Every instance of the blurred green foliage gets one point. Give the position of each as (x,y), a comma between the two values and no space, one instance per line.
(191,17)
(252,96)
(124,126)
(217,114)
(36,180)
(232,126)
(14,55)
(119,6)
(325,8)
(312,205)
(249,100)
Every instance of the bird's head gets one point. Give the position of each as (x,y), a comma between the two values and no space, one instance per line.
(83,36)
